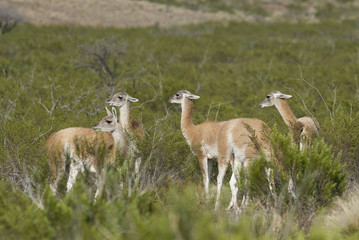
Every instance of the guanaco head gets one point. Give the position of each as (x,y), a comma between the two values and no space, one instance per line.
(272,98)
(181,95)
(120,99)
(108,123)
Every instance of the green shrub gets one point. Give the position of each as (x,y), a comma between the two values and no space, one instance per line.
(232,67)
(342,133)
(20,218)
(317,174)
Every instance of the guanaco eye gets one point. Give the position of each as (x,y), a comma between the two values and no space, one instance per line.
(120,97)
(108,121)
(268,96)
(177,95)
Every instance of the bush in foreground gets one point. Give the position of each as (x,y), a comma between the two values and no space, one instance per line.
(317,174)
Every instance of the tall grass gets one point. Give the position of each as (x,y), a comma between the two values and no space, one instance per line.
(44,88)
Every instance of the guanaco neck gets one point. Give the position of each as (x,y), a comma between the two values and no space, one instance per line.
(286,113)
(119,137)
(125,115)
(186,116)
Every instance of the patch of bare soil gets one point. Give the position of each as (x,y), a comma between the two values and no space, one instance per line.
(134,13)
(115,13)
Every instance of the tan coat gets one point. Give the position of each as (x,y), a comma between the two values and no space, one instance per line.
(84,145)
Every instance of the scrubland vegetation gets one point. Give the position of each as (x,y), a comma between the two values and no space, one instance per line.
(57,77)
(289,10)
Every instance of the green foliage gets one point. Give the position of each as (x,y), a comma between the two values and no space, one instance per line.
(232,67)
(104,58)
(342,134)
(317,174)
(258,185)
(303,10)
(204,5)
(20,218)
(175,211)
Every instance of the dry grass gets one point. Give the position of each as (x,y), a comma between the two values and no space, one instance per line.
(131,13)
(115,13)
(345,214)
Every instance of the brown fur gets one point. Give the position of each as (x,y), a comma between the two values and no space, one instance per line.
(241,140)
(206,133)
(199,137)
(303,129)
(111,125)
(250,132)
(85,142)
(123,101)
(136,128)
(220,140)
(215,134)
(308,130)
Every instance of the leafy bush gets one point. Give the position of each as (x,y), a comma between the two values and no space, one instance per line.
(231,67)
(342,134)
(317,174)
(20,218)
(104,58)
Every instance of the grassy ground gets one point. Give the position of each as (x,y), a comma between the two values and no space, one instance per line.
(47,85)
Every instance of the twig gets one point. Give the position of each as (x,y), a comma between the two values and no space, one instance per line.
(208,112)
(148,101)
(334,99)
(54,103)
(159,77)
(11,106)
(205,58)
(302,78)
(198,87)
(161,119)
(40,136)
(356,86)
(218,106)
(305,106)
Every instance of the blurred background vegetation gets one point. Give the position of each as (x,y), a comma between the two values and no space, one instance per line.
(263,10)
(53,77)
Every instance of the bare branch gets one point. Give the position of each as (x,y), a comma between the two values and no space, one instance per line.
(54,102)
(103,58)
(155,98)
(205,57)
(11,106)
(218,106)
(9,18)
(159,77)
(305,106)
(208,112)
(302,78)
(356,86)
(334,99)
(158,121)
(35,139)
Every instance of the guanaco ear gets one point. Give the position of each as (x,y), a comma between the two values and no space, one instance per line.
(282,96)
(131,99)
(191,96)
(114,113)
(109,113)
